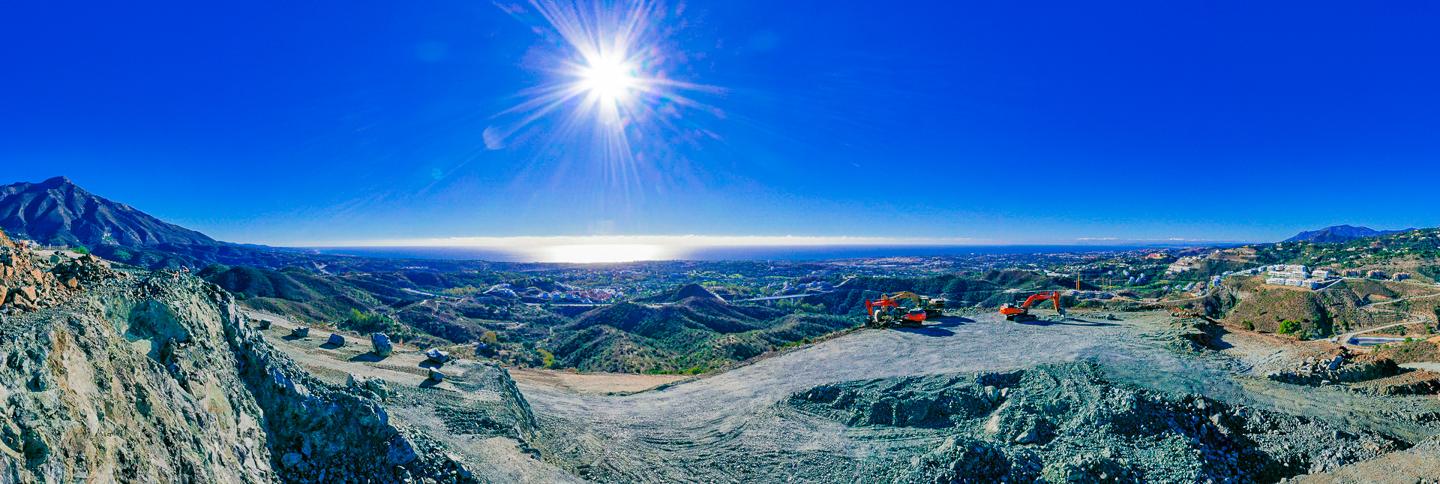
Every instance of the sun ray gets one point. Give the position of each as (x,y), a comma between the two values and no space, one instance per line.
(608,72)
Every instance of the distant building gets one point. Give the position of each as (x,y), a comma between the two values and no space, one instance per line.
(1183,264)
(1402,276)
(1289,271)
(1376,274)
(1311,284)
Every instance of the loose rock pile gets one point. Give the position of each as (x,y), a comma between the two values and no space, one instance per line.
(28,283)
(1337,366)
(1067,423)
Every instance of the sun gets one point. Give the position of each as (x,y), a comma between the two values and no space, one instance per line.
(609,80)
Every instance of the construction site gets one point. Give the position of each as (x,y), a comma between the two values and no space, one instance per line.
(1027,392)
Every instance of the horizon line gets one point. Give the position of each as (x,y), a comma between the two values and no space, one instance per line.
(712,241)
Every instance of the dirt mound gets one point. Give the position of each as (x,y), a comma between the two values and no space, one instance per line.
(1189,334)
(1417,382)
(1067,423)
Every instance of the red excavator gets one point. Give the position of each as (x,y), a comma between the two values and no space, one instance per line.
(1022,312)
(887,310)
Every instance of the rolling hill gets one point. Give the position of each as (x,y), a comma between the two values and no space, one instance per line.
(694,335)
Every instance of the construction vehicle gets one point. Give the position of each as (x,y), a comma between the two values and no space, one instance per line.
(1021,312)
(888,310)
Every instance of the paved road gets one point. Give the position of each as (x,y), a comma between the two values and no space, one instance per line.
(1345,338)
(777,298)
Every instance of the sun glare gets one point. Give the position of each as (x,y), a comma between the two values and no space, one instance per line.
(602,253)
(608,80)
(611,68)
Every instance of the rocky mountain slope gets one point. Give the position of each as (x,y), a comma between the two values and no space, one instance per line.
(57,212)
(157,377)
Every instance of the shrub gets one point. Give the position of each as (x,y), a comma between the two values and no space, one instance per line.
(547,359)
(1289,326)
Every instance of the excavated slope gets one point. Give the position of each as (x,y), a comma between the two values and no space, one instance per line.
(159,379)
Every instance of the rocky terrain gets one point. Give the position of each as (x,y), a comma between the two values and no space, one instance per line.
(123,374)
(1066,423)
(158,378)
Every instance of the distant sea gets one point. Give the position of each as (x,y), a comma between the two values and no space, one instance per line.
(791,253)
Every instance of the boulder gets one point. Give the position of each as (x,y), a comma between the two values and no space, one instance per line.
(437,375)
(300,331)
(262,323)
(436,355)
(381,344)
(335,340)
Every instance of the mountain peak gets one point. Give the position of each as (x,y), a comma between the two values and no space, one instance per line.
(56,182)
(1340,233)
(58,212)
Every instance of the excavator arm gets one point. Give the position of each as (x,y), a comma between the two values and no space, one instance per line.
(1042,297)
(907,295)
(1011,311)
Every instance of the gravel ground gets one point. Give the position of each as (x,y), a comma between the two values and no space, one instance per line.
(728,427)
(737,425)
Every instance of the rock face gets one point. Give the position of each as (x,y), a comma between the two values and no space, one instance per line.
(161,380)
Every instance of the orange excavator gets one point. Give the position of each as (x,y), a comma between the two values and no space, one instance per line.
(1022,312)
(887,310)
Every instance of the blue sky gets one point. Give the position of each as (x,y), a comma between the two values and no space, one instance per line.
(314,122)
